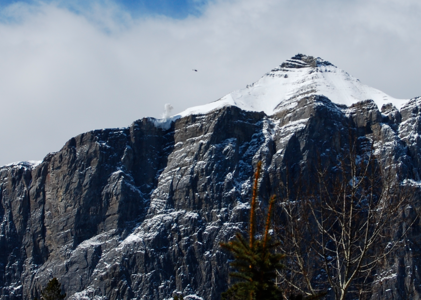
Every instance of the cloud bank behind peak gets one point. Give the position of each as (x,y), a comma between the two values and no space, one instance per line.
(70,68)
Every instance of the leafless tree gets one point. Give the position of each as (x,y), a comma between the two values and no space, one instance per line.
(337,227)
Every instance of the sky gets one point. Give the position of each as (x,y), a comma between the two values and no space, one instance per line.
(71,66)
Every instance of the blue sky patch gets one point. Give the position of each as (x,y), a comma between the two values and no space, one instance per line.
(177,9)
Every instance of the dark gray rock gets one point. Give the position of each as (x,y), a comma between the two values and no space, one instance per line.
(139,212)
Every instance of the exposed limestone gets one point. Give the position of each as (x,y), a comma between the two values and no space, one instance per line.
(138,213)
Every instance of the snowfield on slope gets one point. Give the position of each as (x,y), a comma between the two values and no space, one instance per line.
(281,88)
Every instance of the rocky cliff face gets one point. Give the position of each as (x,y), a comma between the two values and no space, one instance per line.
(139,212)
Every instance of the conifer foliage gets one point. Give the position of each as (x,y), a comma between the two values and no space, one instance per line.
(52,291)
(254,260)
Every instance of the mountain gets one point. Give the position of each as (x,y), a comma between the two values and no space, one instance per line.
(301,76)
(139,212)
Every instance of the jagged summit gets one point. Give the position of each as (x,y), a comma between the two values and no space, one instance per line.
(303,61)
(300,62)
(299,77)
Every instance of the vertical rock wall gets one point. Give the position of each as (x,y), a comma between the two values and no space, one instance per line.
(139,212)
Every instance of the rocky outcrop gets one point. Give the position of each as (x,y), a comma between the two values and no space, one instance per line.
(139,212)
(303,61)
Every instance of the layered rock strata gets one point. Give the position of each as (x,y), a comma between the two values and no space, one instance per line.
(139,212)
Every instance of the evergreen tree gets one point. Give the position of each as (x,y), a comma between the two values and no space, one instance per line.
(254,260)
(52,291)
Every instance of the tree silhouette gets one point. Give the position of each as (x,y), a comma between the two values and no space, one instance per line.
(254,260)
(52,291)
(338,227)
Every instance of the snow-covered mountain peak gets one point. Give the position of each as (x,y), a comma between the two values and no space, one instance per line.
(298,77)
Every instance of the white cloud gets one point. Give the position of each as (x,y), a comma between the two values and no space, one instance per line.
(63,73)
